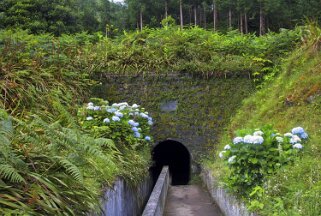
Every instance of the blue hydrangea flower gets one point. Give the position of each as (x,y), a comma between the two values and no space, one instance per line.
(298,130)
(135,129)
(227,147)
(106,120)
(137,134)
(96,108)
(144,115)
(111,110)
(150,123)
(297,146)
(147,138)
(115,118)
(133,123)
(119,114)
(89,118)
(135,106)
(237,140)
(303,135)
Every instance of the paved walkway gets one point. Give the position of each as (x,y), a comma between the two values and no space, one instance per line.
(190,200)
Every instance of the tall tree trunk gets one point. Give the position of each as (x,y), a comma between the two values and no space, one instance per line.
(214,15)
(205,21)
(199,8)
(262,21)
(230,18)
(195,16)
(190,15)
(166,9)
(181,13)
(141,19)
(245,23)
(241,22)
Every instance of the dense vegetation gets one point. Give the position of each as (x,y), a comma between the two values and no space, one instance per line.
(46,168)
(290,100)
(57,17)
(53,52)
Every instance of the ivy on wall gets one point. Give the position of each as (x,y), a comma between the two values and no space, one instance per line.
(190,109)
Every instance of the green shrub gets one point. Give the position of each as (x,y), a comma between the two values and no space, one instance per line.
(255,155)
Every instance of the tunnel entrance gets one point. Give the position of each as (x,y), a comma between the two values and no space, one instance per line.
(176,156)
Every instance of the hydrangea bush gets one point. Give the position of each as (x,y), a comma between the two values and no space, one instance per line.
(126,124)
(255,154)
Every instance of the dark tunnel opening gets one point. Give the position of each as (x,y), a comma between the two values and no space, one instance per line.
(176,156)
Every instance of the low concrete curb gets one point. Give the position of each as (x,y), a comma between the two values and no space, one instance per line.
(228,204)
(156,203)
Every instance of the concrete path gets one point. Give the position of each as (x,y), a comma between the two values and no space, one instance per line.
(190,200)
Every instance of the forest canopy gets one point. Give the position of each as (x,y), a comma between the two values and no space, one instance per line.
(109,17)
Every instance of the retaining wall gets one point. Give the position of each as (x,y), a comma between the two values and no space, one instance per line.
(228,204)
(126,200)
(156,203)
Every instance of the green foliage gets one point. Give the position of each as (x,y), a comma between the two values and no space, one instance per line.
(294,95)
(252,158)
(126,125)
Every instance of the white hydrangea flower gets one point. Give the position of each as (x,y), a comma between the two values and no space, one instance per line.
(258,133)
(150,123)
(106,120)
(135,106)
(227,147)
(221,154)
(288,135)
(90,107)
(90,104)
(89,118)
(231,159)
(237,140)
(257,140)
(295,139)
(279,139)
(248,139)
(297,146)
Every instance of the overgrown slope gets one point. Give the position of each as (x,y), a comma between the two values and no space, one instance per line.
(290,100)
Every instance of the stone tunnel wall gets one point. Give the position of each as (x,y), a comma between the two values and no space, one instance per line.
(189,109)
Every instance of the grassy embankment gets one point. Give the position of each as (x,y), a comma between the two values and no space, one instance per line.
(291,99)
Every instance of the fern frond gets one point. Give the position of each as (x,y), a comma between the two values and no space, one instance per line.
(71,169)
(11,174)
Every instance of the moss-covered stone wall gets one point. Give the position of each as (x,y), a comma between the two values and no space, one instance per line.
(189,109)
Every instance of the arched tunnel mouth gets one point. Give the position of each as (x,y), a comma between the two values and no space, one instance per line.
(176,156)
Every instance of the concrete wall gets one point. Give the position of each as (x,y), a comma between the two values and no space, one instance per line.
(126,200)
(191,110)
(157,200)
(228,204)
